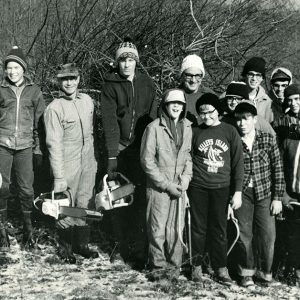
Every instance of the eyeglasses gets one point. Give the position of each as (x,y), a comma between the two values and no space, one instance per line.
(208,113)
(278,85)
(189,76)
(233,98)
(252,75)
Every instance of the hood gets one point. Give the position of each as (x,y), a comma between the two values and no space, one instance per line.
(284,70)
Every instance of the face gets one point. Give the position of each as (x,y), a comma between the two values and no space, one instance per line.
(15,72)
(127,67)
(209,115)
(174,109)
(278,87)
(233,101)
(246,124)
(253,79)
(294,103)
(69,84)
(192,78)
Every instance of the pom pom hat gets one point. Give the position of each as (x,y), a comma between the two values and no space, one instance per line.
(127,49)
(192,61)
(16,55)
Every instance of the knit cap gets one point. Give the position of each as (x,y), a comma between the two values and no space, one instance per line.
(16,55)
(246,106)
(192,61)
(237,88)
(67,70)
(292,89)
(256,64)
(127,49)
(174,95)
(210,99)
(282,74)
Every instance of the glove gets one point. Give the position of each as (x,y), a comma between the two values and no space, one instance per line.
(174,190)
(112,168)
(60,185)
(37,161)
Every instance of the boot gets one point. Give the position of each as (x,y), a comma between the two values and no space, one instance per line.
(4,240)
(65,250)
(28,241)
(81,239)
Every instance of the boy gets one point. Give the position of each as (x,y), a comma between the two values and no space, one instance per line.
(254,72)
(21,106)
(166,160)
(217,174)
(69,138)
(263,188)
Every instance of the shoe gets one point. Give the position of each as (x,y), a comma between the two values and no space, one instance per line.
(28,242)
(266,279)
(197,274)
(222,276)
(65,251)
(247,281)
(4,240)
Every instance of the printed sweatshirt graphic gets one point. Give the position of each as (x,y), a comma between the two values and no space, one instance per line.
(217,157)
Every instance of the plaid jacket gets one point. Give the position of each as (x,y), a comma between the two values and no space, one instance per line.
(265,165)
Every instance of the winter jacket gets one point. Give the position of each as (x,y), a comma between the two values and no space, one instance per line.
(126,110)
(263,105)
(69,127)
(20,111)
(162,162)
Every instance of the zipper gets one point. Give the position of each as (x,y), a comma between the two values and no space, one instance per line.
(133,112)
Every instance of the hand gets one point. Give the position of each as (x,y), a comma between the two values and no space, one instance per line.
(236,201)
(184,183)
(286,201)
(112,166)
(276,207)
(37,161)
(174,190)
(60,185)
(230,213)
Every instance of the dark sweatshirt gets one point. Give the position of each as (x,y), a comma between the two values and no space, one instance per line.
(217,157)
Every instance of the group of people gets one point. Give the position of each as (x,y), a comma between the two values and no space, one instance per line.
(237,153)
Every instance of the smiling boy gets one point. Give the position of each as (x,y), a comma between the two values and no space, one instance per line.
(21,106)
(217,175)
(166,160)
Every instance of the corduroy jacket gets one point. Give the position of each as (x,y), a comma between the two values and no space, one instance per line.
(20,115)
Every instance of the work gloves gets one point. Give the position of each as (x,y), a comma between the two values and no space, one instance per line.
(60,185)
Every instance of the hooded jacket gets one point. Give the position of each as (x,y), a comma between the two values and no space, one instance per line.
(126,110)
(20,112)
(162,161)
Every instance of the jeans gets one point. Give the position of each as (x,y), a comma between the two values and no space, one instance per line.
(21,162)
(255,221)
(209,224)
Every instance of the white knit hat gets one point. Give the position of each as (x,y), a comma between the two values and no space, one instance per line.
(192,61)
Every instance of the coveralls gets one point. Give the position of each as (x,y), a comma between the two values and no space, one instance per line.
(69,138)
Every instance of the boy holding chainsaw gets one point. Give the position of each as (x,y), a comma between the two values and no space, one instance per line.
(165,158)
(69,138)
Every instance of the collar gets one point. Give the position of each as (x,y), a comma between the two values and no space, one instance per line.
(63,95)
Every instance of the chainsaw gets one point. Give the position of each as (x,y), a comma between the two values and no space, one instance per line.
(116,193)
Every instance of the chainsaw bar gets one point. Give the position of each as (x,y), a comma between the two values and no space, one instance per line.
(78,212)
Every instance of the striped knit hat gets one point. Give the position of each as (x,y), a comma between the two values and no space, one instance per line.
(127,49)
(16,55)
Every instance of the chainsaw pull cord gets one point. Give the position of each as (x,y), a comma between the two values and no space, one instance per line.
(236,224)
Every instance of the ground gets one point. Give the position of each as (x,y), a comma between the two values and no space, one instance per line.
(41,275)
